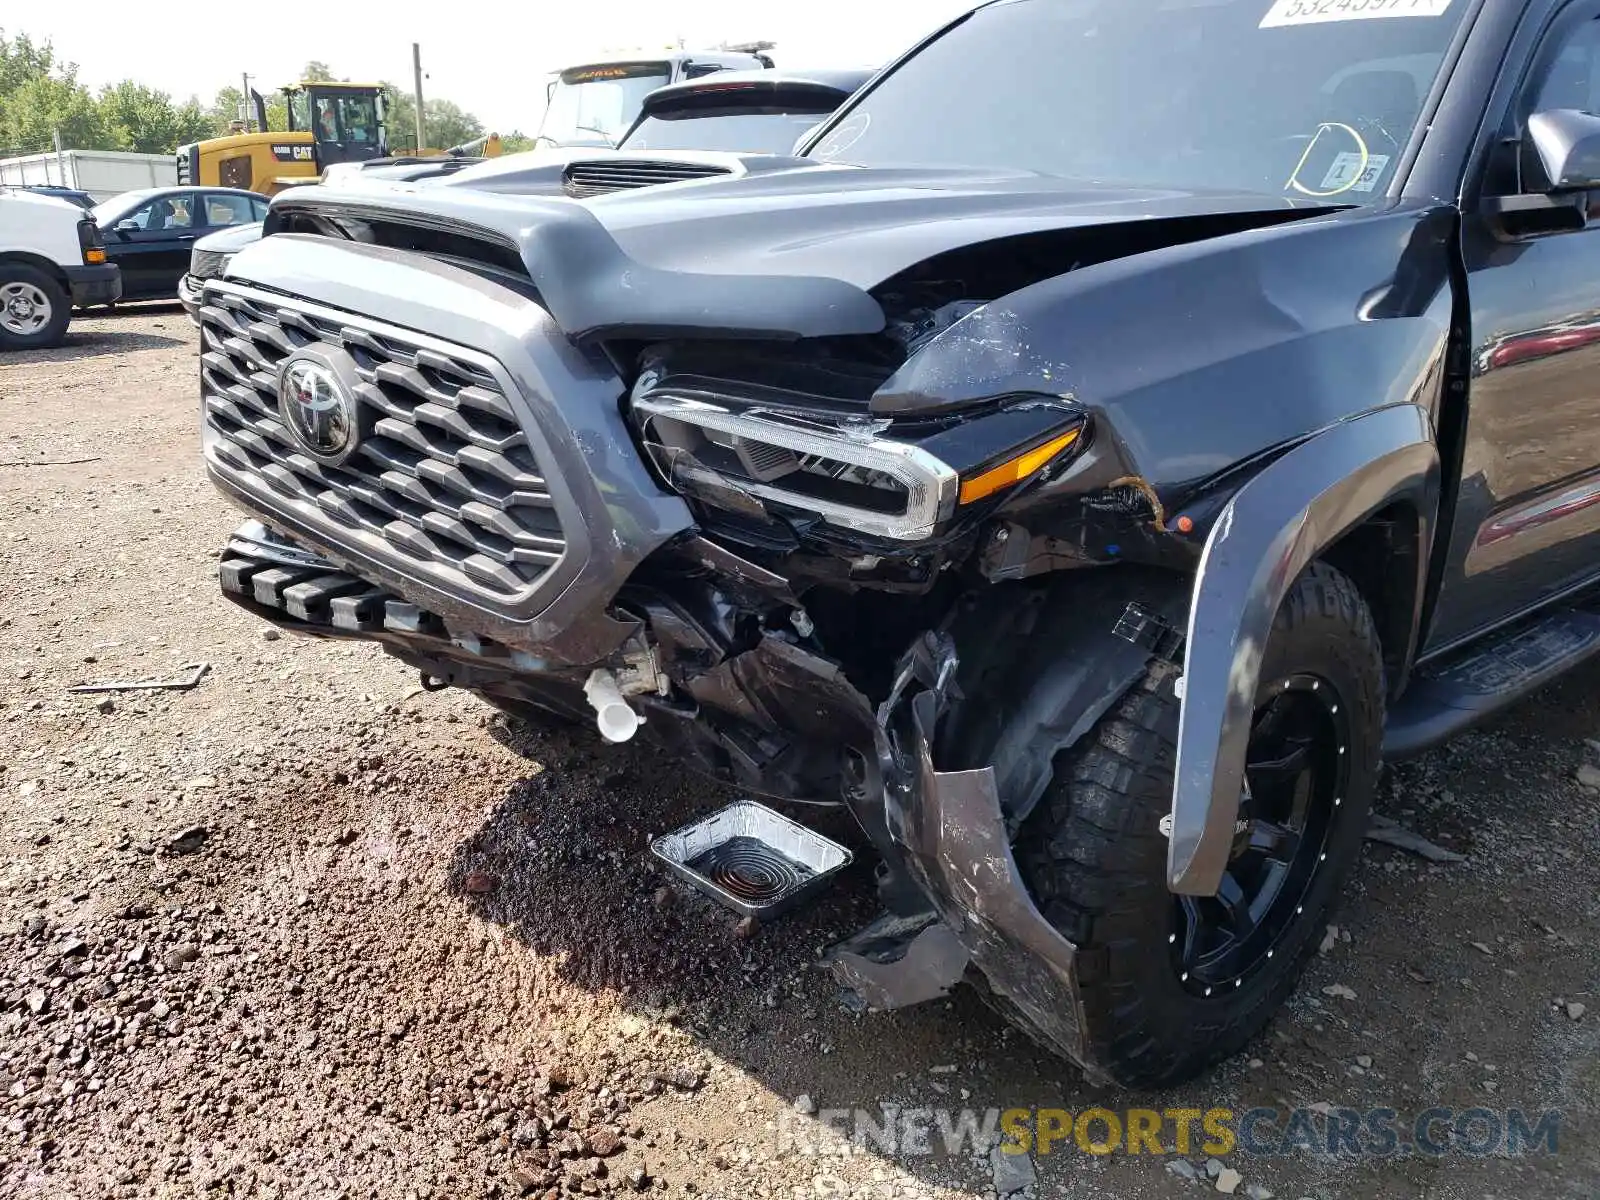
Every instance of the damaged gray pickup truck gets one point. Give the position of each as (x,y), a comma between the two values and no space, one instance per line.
(1084,482)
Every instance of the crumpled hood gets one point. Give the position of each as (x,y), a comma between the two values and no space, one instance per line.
(790,252)
(864,226)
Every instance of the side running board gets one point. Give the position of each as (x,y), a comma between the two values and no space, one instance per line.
(1461,691)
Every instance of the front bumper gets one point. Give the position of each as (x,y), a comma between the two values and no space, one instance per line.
(299,591)
(943,832)
(493,483)
(190,291)
(98,284)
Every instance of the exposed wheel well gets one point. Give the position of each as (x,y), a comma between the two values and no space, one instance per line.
(1380,556)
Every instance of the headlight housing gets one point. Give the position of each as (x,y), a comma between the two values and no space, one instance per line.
(841,471)
(208,264)
(740,448)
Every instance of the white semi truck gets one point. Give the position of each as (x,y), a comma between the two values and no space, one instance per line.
(595,103)
(101,173)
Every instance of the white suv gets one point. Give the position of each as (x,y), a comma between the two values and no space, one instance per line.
(52,260)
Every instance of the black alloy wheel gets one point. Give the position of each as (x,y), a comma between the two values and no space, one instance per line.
(1296,773)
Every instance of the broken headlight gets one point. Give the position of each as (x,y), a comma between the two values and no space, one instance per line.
(841,470)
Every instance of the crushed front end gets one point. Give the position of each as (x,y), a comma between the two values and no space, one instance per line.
(749,541)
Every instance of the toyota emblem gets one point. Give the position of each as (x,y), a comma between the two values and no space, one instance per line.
(318,408)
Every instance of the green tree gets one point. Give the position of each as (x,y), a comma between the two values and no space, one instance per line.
(401,118)
(40,96)
(21,60)
(224,110)
(141,119)
(35,111)
(448,124)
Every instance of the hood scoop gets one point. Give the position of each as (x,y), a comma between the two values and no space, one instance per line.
(597,177)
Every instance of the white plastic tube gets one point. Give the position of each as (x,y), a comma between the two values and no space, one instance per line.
(617,721)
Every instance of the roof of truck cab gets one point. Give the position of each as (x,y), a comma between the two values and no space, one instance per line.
(654,56)
(843,81)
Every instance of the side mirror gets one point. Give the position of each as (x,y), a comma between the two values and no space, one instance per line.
(126,227)
(1566,144)
(1560,166)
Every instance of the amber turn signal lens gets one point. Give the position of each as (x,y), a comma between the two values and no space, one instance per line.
(1015,470)
(94,256)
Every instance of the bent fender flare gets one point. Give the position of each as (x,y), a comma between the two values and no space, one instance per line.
(1271,530)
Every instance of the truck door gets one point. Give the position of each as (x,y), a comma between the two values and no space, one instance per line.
(1527,525)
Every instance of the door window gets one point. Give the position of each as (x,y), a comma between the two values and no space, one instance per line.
(164,212)
(222,211)
(1566,74)
(327,126)
(259,209)
(358,118)
(1574,78)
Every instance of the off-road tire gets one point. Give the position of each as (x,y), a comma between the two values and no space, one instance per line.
(55,328)
(1095,860)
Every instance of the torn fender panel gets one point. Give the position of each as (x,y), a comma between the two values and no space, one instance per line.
(1197,357)
(953,838)
(1041,666)
(1269,533)
(897,962)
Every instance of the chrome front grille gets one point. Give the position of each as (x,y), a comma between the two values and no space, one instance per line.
(207,264)
(597,177)
(444,483)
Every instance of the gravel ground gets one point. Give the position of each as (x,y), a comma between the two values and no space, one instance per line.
(308,931)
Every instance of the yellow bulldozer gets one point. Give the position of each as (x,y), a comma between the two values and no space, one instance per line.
(328,123)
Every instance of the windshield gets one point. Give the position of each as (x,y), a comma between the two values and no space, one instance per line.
(750,132)
(1294,97)
(352,119)
(594,104)
(114,208)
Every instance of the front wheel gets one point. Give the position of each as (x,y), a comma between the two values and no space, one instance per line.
(1171,984)
(34,308)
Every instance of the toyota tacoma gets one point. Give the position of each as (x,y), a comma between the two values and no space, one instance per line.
(1086,483)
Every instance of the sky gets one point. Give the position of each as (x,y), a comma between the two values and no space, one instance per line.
(491,58)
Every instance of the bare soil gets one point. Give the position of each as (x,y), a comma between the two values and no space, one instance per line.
(305,930)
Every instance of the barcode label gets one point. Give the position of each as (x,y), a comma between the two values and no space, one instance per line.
(1316,12)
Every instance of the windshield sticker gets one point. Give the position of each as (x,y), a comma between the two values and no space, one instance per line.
(1317,12)
(1344,178)
(1349,174)
(850,131)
